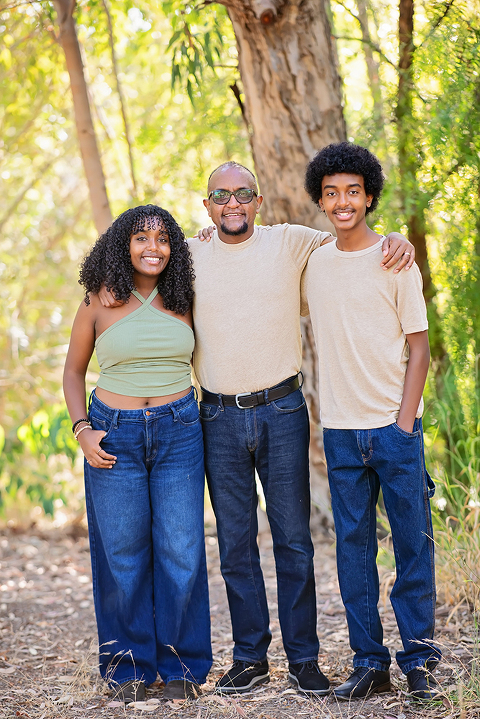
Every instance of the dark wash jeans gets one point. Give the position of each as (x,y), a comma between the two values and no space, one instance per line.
(273,439)
(360,462)
(145,520)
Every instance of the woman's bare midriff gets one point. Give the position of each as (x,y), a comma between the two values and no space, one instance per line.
(119,401)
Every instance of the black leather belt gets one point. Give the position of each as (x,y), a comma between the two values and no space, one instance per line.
(246,400)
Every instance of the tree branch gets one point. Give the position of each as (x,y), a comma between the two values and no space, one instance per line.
(13,5)
(350,12)
(437,22)
(121,96)
(372,44)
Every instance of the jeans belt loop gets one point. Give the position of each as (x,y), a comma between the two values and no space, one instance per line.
(115,418)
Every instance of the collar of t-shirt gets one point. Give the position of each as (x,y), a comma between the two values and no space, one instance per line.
(357,253)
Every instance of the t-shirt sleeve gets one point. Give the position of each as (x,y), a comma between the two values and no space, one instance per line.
(302,241)
(411,308)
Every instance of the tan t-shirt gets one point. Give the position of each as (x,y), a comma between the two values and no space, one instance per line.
(360,315)
(246,310)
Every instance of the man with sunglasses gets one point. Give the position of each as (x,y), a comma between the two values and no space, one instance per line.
(247,359)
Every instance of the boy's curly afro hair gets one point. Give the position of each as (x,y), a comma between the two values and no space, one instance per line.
(348,158)
(108,263)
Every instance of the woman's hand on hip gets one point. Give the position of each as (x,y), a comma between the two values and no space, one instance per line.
(95,455)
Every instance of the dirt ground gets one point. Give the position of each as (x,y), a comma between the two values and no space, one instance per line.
(48,643)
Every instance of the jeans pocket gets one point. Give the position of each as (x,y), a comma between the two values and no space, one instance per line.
(291,403)
(189,415)
(103,424)
(401,431)
(209,412)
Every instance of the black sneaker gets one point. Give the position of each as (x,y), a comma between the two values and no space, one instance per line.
(308,679)
(422,685)
(128,692)
(243,676)
(181,689)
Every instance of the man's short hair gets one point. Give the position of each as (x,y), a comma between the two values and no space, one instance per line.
(347,158)
(229,164)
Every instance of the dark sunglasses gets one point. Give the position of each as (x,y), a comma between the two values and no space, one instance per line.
(222,197)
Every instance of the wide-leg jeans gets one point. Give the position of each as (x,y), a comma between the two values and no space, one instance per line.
(145,518)
(273,439)
(360,462)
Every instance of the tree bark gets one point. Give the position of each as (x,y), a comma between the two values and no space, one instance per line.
(92,164)
(293,100)
(413,199)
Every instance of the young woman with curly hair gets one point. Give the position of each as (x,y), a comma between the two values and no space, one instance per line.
(144,472)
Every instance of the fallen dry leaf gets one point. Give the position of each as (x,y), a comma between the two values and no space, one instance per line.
(143,706)
(7,670)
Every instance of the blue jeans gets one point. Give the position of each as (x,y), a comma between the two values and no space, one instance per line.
(145,519)
(273,439)
(360,462)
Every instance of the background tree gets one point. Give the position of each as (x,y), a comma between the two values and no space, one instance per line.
(67,36)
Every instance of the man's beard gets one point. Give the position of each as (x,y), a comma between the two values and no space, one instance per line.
(241,230)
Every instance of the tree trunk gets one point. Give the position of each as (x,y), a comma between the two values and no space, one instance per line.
(293,108)
(293,101)
(413,200)
(102,215)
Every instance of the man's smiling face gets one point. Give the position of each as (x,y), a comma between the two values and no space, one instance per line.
(233,219)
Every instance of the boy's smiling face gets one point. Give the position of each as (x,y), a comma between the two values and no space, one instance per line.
(344,200)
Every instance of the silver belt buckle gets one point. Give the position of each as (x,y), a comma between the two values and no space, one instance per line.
(241,394)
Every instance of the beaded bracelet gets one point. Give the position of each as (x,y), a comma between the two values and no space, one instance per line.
(78,422)
(85,426)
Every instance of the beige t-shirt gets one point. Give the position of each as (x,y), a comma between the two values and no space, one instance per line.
(246,310)
(360,315)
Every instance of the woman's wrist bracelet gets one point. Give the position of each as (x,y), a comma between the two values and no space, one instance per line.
(74,425)
(85,426)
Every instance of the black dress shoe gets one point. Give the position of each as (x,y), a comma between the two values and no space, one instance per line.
(363,682)
(422,685)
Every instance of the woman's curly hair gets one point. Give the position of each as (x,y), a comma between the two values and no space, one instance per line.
(108,263)
(348,158)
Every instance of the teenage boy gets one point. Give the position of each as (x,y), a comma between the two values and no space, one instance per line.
(370,329)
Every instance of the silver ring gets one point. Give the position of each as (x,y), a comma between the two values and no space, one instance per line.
(99,451)
(407,253)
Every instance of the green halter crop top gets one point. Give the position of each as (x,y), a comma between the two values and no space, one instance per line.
(145,354)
